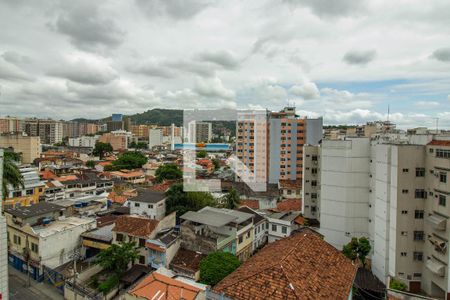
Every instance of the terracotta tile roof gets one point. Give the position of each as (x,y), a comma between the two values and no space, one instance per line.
(106,220)
(104,163)
(299,220)
(439,143)
(135,226)
(302,266)
(250,203)
(66,178)
(47,174)
(187,260)
(127,174)
(117,198)
(161,187)
(290,184)
(158,286)
(289,205)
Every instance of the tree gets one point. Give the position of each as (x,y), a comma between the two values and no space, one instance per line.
(11,174)
(169,171)
(181,201)
(232,199)
(397,285)
(357,248)
(216,266)
(101,149)
(117,257)
(138,145)
(129,160)
(201,154)
(216,163)
(90,164)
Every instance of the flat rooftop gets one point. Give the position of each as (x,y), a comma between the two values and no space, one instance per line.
(34,210)
(61,225)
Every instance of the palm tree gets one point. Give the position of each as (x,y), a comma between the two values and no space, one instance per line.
(11,173)
(232,199)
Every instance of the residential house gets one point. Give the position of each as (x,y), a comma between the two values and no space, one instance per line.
(135,177)
(162,249)
(259,228)
(148,203)
(186,263)
(96,240)
(138,229)
(279,224)
(43,237)
(302,266)
(162,287)
(290,189)
(87,185)
(30,193)
(211,229)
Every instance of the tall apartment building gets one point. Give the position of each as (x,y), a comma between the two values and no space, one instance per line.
(4,293)
(28,146)
(199,132)
(311,182)
(11,125)
(155,138)
(50,131)
(117,139)
(280,137)
(84,141)
(393,191)
(140,130)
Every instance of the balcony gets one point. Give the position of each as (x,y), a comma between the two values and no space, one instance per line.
(437,222)
(436,267)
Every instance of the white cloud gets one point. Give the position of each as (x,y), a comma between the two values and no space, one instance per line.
(307,91)
(426,104)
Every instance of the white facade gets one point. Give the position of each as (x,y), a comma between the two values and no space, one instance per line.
(3,243)
(84,141)
(155,211)
(344,209)
(155,137)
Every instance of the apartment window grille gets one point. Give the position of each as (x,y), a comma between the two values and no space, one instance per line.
(419,235)
(443,177)
(442,153)
(420,193)
(418,214)
(418,256)
(442,200)
(420,172)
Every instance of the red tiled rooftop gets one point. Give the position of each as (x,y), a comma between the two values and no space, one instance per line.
(290,184)
(439,143)
(289,205)
(135,226)
(302,266)
(161,287)
(250,203)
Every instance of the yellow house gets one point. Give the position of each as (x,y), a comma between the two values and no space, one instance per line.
(32,190)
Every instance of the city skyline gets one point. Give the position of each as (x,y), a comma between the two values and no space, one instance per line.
(346,62)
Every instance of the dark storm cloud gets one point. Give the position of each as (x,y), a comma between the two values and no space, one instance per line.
(88,29)
(176,9)
(442,54)
(359,57)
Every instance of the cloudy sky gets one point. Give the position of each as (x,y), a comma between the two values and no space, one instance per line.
(345,60)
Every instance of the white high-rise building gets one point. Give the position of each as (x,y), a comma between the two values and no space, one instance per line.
(155,137)
(3,243)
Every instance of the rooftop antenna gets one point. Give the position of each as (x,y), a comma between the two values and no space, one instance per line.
(389,111)
(437,124)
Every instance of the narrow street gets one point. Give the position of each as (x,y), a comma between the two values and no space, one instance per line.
(37,290)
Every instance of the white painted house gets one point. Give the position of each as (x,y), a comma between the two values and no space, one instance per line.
(148,203)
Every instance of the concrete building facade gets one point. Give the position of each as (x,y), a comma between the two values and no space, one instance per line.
(4,292)
(28,146)
(50,131)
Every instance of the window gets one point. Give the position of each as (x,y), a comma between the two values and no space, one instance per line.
(442,153)
(17,194)
(420,193)
(420,172)
(443,177)
(314,171)
(141,242)
(314,158)
(442,200)
(248,234)
(418,214)
(274,227)
(241,239)
(137,204)
(418,256)
(17,240)
(417,274)
(267,226)
(29,192)
(150,206)
(119,237)
(404,191)
(34,248)
(313,182)
(284,229)
(405,170)
(313,196)
(403,253)
(142,260)
(404,233)
(404,212)
(419,235)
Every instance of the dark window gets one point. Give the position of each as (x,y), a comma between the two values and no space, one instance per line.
(404,191)
(403,253)
(405,170)
(314,158)
(241,239)
(142,260)
(150,206)
(137,204)
(17,240)
(418,235)
(420,194)
(34,248)
(284,229)
(418,214)
(141,242)
(442,200)
(119,237)
(420,172)
(313,182)
(274,227)
(29,192)
(418,256)
(313,196)
(314,171)
(443,177)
